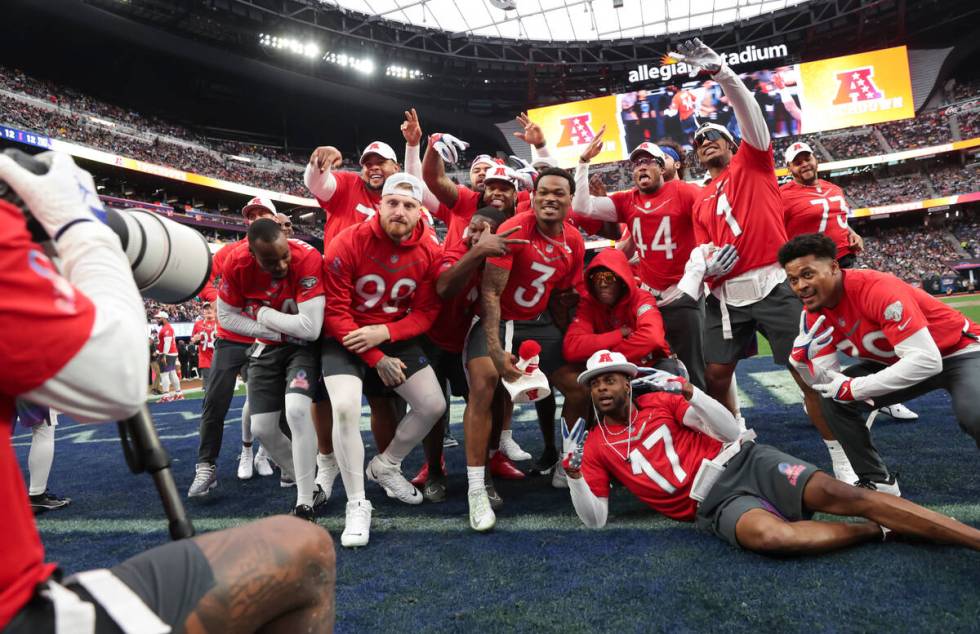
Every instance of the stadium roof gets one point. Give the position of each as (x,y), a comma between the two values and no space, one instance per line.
(564,20)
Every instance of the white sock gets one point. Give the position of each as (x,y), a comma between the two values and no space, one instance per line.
(299,417)
(165,382)
(388,461)
(733,393)
(348,448)
(175,380)
(325,461)
(425,405)
(266,427)
(505,435)
(246,422)
(474,476)
(40,458)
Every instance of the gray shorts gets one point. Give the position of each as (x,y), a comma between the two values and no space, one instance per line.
(777,317)
(336,359)
(513,334)
(758,477)
(279,370)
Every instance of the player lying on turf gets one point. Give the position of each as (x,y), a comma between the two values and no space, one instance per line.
(681,453)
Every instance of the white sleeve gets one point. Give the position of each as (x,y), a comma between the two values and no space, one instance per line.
(321,184)
(231,317)
(306,325)
(592,510)
(918,359)
(93,261)
(166,344)
(692,282)
(711,417)
(541,152)
(748,112)
(584,204)
(413,166)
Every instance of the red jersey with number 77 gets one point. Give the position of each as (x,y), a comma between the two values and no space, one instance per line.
(817,208)
(742,206)
(370,279)
(205,346)
(244,284)
(664,456)
(353,202)
(537,268)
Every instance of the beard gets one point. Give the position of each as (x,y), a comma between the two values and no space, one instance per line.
(718,161)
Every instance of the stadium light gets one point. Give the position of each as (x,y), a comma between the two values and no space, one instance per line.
(400,72)
(361,64)
(292,45)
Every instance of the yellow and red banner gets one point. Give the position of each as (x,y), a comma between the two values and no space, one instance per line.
(570,127)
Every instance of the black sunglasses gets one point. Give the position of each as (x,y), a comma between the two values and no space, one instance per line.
(648,160)
(708,135)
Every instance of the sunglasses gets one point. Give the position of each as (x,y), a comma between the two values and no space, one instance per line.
(604,278)
(708,135)
(647,160)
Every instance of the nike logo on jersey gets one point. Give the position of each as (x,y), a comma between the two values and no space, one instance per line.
(855,327)
(903,326)
(392,269)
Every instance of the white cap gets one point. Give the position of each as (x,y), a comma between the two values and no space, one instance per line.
(162,315)
(393,182)
(714,126)
(259,201)
(543,162)
(650,148)
(604,362)
(797,148)
(501,173)
(380,148)
(483,159)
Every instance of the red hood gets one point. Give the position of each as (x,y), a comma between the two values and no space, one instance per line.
(615,261)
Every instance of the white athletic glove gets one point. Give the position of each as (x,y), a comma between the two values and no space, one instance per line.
(447,146)
(810,342)
(838,388)
(573,443)
(654,380)
(721,261)
(696,53)
(524,170)
(63,196)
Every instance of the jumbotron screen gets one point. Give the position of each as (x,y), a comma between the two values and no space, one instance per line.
(839,92)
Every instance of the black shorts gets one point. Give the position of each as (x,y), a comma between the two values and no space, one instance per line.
(336,359)
(758,477)
(170,580)
(230,355)
(448,366)
(776,316)
(275,371)
(168,363)
(514,333)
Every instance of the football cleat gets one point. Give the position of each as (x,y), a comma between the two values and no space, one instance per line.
(205,479)
(357,524)
(261,463)
(898,411)
(178,397)
(47,501)
(448,441)
(423,475)
(245,469)
(327,474)
(166,398)
(320,497)
(435,489)
(558,479)
(482,517)
(889,486)
(286,481)
(546,463)
(392,481)
(501,466)
(496,502)
(305,512)
(844,472)
(510,448)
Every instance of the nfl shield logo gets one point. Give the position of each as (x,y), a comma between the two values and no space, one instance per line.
(394,259)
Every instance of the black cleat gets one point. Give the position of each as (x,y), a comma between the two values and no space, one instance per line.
(319,497)
(545,464)
(47,501)
(305,512)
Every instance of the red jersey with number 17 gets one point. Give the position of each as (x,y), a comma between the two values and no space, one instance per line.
(742,206)
(246,285)
(817,208)
(536,269)
(205,346)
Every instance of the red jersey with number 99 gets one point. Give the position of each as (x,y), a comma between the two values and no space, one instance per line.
(205,346)
(664,456)
(536,269)
(246,285)
(818,208)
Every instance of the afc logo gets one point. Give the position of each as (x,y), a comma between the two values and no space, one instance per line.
(576,130)
(856,85)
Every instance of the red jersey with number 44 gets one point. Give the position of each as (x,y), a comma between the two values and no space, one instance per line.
(818,208)
(205,346)
(743,207)
(662,227)
(352,203)
(664,456)
(536,269)
(449,329)
(370,279)
(877,311)
(166,342)
(246,285)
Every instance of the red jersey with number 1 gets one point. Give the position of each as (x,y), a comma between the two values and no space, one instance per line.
(817,208)
(205,346)
(536,269)
(246,285)
(742,206)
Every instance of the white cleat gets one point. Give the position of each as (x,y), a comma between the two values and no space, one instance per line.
(261,463)
(357,525)
(245,471)
(327,473)
(844,472)
(898,411)
(558,479)
(510,448)
(392,481)
(482,517)
(889,486)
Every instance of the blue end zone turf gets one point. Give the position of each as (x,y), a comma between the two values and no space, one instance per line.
(540,570)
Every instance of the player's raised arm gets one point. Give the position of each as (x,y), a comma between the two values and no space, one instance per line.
(584,203)
(318,177)
(412,131)
(441,148)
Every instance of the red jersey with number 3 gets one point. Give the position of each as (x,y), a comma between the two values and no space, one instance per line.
(664,456)
(352,203)
(662,227)
(205,346)
(536,269)
(818,208)
(742,206)
(244,284)
(370,279)
(877,311)
(449,329)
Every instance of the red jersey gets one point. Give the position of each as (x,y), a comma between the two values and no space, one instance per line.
(449,329)
(818,208)
(664,456)
(352,203)
(662,227)
(246,285)
(205,345)
(590,226)
(163,346)
(60,319)
(743,207)
(878,310)
(210,291)
(460,214)
(536,269)
(370,279)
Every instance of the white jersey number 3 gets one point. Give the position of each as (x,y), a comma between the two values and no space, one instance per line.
(661,240)
(521,294)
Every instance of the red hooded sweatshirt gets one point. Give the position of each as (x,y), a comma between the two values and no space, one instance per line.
(597,326)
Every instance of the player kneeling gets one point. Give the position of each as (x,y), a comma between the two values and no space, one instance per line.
(681,453)
(381,296)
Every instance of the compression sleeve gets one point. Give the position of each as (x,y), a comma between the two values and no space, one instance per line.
(305,325)
(918,359)
(592,510)
(748,112)
(231,317)
(711,417)
(585,204)
(321,184)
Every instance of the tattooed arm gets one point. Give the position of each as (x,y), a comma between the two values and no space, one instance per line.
(494,281)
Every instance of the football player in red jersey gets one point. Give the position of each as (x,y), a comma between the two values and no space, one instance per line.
(203,336)
(167,348)
(908,343)
(273,291)
(379,280)
(658,214)
(228,362)
(78,327)
(683,454)
(517,292)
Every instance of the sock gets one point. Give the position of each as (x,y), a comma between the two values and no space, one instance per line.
(388,461)
(246,422)
(348,448)
(40,458)
(505,435)
(165,382)
(175,380)
(299,417)
(326,461)
(474,476)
